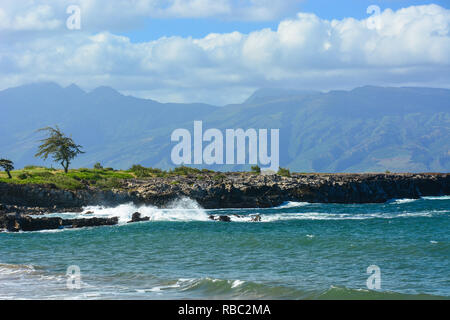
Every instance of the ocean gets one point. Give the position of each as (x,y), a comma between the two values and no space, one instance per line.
(297,251)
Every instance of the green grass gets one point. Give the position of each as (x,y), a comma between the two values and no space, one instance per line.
(75,179)
(106,178)
(143,172)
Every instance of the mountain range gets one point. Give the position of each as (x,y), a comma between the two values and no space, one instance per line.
(367,129)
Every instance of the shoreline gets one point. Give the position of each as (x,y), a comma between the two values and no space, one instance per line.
(212,191)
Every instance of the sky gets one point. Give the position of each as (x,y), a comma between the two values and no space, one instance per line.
(220,51)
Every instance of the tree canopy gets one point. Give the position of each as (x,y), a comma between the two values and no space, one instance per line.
(62,148)
(7,165)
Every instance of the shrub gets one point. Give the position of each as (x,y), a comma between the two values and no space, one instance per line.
(184,171)
(284,172)
(109,183)
(65,182)
(33,167)
(98,166)
(23,176)
(256,169)
(139,171)
(43,174)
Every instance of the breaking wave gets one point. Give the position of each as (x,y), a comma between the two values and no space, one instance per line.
(407,200)
(292,204)
(183,209)
(401,201)
(437,198)
(186,209)
(240,289)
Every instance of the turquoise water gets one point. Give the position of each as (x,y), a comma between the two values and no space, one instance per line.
(298,251)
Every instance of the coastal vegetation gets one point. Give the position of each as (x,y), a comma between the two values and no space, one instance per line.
(106,178)
(7,165)
(284,172)
(74,179)
(60,147)
(256,169)
(102,178)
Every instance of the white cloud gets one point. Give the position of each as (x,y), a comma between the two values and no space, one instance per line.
(99,15)
(410,46)
(27,17)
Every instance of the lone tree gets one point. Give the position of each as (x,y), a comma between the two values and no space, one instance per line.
(63,149)
(7,165)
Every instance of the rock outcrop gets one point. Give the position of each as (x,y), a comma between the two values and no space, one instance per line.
(136,217)
(17,222)
(210,190)
(233,190)
(244,190)
(48,198)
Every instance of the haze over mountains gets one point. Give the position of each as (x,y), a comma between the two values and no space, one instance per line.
(368,129)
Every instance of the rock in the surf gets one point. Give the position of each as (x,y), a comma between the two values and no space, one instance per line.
(136,217)
(256,218)
(220,218)
(17,222)
(224,218)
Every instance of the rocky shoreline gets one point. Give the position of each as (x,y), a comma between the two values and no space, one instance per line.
(219,190)
(17,222)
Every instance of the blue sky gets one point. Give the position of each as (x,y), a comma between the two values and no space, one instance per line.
(154,28)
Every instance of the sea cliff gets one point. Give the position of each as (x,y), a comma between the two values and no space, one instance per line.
(234,190)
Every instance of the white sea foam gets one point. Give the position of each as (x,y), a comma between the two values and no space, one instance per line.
(437,198)
(12,269)
(401,201)
(292,204)
(336,216)
(183,209)
(16,280)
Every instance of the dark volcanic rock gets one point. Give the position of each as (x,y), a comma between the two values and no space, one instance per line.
(220,218)
(91,222)
(17,222)
(4,208)
(31,224)
(234,190)
(256,218)
(9,222)
(58,200)
(136,217)
(244,190)
(224,218)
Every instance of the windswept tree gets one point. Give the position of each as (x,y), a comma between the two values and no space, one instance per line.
(7,165)
(62,148)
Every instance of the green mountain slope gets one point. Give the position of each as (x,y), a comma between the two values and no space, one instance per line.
(366,129)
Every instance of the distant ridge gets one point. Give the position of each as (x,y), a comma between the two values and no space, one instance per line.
(262,95)
(367,129)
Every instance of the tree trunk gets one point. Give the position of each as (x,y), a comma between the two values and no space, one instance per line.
(9,174)
(65,165)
